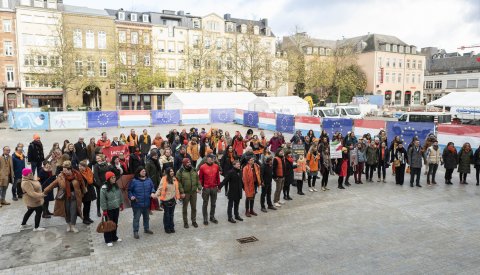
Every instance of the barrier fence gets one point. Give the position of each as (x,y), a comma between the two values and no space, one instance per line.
(24,119)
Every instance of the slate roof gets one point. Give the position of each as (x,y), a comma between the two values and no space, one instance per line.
(454,64)
(84,10)
(128,15)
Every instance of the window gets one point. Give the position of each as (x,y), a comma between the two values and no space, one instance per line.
(255,84)
(102,40)
(122,36)
(42,60)
(451,84)
(400,63)
(399,78)
(29,81)
(414,50)
(229,27)
(413,78)
(407,77)
(123,78)
(394,48)
(147,102)
(90,68)
(134,59)
(54,61)
(229,83)
(121,15)
(328,52)
(472,83)
(256,30)
(145,18)
(181,64)
(78,67)
(146,39)
(212,25)
(267,84)
(103,67)
(429,84)
(134,37)
(171,64)
(171,82)
(218,44)
(229,43)
(407,49)
(394,78)
(8,48)
(229,63)
(123,58)
(171,46)
(419,78)
(408,63)
(309,50)
(322,51)
(7,25)
(196,24)
(42,83)
(420,66)
(90,40)
(394,62)
(416,98)
(77,38)
(387,47)
(161,45)
(219,64)
(124,102)
(438,84)
(462,84)
(196,63)
(133,17)
(208,83)
(243,28)
(400,49)
(29,60)
(387,77)
(398,98)
(207,43)
(218,84)
(379,62)
(5,3)
(146,60)
(315,51)
(414,64)
(9,70)
(388,62)
(171,31)
(181,47)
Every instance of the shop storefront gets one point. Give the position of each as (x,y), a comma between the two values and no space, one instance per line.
(37,100)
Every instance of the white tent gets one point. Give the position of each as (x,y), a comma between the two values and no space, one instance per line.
(458,99)
(209,100)
(291,105)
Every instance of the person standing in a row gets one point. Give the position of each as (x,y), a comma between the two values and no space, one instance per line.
(465,159)
(416,158)
(111,202)
(251,181)
(313,160)
(400,162)
(209,176)
(450,160)
(168,192)
(140,190)
(233,184)
(189,186)
(476,163)
(278,176)
(434,159)
(6,174)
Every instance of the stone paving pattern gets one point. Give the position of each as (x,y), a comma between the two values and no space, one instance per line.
(374,228)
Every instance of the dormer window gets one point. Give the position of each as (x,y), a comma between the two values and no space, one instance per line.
(243,28)
(196,24)
(256,30)
(229,27)
(145,18)
(387,47)
(394,48)
(133,17)
(121,15)
(268,32)
(407,49)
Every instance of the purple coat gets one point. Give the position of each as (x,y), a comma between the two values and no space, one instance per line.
(275,143)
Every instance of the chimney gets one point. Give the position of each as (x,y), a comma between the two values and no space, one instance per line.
(227,16)
(265,22)
(180,13)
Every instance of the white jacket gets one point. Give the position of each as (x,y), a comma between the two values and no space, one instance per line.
(434,156)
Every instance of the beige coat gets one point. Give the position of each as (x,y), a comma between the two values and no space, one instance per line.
(78,187)
(6,170)
(32,189)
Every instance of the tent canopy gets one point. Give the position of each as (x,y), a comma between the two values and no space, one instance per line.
(291,105)
(458,99)
(209,100)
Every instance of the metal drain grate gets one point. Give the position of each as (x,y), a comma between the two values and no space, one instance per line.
(250,239)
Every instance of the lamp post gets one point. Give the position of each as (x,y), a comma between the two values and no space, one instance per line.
(3,87)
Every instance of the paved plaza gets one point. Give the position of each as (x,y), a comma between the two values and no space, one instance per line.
(374,228)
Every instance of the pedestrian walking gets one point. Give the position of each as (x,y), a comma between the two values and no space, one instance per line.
(33,199)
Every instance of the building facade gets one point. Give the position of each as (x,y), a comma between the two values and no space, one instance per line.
(9,80)
(450,72)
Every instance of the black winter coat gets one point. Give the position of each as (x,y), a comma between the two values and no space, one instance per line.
(99,171)
(81,151)
(267,174)
(289,178)
(135,162)
(234,184)
(35,152)
(476,158)
(450,159)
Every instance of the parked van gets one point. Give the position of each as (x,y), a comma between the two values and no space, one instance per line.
(352,112)
(324,112)
(436,117)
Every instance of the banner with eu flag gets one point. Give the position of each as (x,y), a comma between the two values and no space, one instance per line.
(333,125)
(407,130)
(285,123)
(250,119)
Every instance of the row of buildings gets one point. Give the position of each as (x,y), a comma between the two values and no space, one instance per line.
(58,55)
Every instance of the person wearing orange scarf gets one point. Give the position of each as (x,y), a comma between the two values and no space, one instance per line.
(251,181)
(158,140)
(90,195)
(18,160)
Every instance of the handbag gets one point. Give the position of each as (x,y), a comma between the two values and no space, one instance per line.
(396,163)
(154,205)
(408,170)
(106,226)
(60,194)
(298,175)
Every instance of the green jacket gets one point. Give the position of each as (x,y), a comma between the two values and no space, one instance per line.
(153,172)
(110,199)
(188,181)
(372,155)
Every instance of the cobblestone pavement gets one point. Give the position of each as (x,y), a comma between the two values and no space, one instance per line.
(374,228)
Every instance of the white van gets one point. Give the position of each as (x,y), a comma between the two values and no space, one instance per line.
(436,117)
(352,112)
(324,112)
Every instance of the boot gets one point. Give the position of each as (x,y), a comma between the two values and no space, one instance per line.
(3,202)
(247,213)
(340,186)
(253,213)
(231,220)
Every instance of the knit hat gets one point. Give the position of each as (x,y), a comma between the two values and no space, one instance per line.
(36,137)
(108,175)
(185,161)
(26,171)
(185,141)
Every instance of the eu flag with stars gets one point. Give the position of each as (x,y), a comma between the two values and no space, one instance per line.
(333,125)
(407,130)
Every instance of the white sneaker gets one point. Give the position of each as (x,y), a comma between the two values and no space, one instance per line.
(310,189)
(281,202)
(315,190)
(23,227)
(74,230)
(277,204)
(109,244)
(119,240)
(69,228)
(38,229)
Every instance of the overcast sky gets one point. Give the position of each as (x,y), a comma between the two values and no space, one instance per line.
(446,24)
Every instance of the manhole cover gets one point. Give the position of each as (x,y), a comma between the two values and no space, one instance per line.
(250,239)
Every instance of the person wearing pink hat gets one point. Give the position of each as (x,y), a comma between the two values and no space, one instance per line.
(35,154)
(32,198)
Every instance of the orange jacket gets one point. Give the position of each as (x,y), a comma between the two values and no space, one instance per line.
(192,150)
(249,181)
(163,189)
(301,166)
(313,161)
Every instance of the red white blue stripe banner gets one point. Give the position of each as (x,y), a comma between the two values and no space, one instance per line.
(195,116)
(372,127)
(458,134)
(238,116)
(134,118)
(307,123)
(266,121)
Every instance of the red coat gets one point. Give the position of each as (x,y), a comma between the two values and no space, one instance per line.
(343,168)
(238,146)
(209,175)
(248,177)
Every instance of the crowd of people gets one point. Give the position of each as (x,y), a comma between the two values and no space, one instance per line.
(184,165)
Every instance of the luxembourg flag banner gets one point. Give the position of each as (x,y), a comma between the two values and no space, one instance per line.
(134,118)
(102,119)
(266,121)
(250,119)
(407,130)
(222,115)
(195,116)
(163,117)
(307,123)
(285,123)
(238,116)
(458,134)
(333,125)
(362,127)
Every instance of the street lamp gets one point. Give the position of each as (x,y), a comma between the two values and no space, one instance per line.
(3,87)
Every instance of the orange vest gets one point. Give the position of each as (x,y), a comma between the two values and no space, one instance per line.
(133,141)
(163,192)
(279,170)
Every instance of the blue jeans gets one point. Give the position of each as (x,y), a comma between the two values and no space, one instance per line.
(168,217)
(141,211)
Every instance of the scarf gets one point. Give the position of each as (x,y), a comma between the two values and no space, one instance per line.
(290,159)
(145,138)
(230,156)
(19,156)
(88,175)
(68,179)
(451,149)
